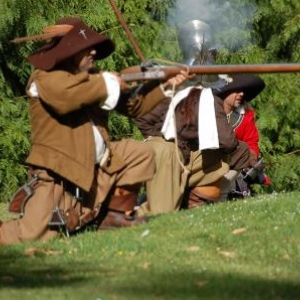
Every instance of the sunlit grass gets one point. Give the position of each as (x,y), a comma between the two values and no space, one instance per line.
(246,249)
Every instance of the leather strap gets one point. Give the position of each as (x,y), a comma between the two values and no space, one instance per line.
(235,119)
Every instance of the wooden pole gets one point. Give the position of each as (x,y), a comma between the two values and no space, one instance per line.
(127,31)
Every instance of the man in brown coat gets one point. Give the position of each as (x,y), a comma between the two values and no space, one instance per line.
(190,134)
(187,164)
(77,175)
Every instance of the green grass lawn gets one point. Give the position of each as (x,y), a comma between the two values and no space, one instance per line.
(248,249)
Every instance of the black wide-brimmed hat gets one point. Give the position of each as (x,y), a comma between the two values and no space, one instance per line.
(251,85)
(77,38)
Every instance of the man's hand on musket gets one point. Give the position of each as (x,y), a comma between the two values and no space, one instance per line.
(177,80)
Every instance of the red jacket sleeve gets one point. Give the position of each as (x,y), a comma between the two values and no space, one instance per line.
(247,131)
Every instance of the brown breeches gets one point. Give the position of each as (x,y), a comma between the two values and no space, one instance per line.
(166,189)
(51,193)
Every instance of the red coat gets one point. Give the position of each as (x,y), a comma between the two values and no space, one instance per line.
(246,129)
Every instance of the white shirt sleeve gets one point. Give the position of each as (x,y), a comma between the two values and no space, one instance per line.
(33,92)
(113,90)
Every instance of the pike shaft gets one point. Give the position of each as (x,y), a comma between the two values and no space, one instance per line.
(127,31)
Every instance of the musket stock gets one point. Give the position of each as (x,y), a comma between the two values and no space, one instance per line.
(164,72)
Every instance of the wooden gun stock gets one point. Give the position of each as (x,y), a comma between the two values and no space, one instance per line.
(163,72)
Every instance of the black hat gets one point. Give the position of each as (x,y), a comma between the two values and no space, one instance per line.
(251,85)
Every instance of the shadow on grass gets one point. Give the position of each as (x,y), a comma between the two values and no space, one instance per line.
(207,286)
(20,271)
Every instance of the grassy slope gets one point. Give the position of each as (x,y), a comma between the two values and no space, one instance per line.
(235,250)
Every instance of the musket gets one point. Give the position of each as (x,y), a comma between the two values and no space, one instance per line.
(137,73)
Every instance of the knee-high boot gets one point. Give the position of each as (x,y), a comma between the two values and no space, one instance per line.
(201,195)
(119,211)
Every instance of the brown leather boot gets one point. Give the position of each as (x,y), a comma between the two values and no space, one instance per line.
(120,212)
(201,195)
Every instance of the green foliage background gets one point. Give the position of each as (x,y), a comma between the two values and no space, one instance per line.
(264,32)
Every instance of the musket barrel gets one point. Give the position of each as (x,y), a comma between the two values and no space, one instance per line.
(164,72)
(255,68)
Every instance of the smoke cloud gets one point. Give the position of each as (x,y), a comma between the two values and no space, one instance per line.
(230,21)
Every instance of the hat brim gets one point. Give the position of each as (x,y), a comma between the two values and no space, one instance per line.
(251,85)
(48,56)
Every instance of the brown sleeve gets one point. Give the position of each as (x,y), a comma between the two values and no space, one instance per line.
(151,123)
(139,102)
(65,92)
(252,158)
(240,157)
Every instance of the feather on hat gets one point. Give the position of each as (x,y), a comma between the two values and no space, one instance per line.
(68,37)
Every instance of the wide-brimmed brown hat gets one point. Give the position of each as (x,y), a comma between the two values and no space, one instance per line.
(251,85)
(76,39)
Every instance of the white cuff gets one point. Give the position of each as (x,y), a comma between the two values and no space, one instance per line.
(33,90)
(113,91)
